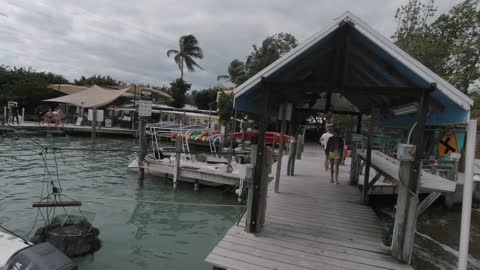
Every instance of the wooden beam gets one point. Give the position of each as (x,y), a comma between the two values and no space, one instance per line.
(333,112)
(364,70)
(56,204)
(288,87)
(374,180)
(423,205)
(382,64)
(343,72)
(371,126)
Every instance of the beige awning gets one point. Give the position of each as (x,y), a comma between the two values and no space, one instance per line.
(67,88)
(72,89)
(94,96)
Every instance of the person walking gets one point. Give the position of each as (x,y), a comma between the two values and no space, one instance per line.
(15,114)
(334,152)
(323,142)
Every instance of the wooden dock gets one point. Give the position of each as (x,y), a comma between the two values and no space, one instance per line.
(310,224)
(32,127)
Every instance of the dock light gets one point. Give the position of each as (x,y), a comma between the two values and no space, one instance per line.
(406,109)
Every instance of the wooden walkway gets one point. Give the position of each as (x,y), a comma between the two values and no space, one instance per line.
(311,224)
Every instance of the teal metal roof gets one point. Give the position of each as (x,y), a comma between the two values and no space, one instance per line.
(370,60)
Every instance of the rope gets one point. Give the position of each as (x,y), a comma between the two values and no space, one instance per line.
(167,202)
(56,168)
(13,233)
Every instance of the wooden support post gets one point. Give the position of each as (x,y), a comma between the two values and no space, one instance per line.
(359,123)
(254,225)
(409,176)
(292,150)
(292,147)
(328,102)
(142,147)
(244,132)
(368,161)
(178,154)
(133,120)
(283,127)
(354,166)
(5,120)
(94,125)
(299,145)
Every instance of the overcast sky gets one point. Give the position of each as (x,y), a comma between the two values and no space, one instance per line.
(129,39)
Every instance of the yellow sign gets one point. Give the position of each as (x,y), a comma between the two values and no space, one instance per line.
(447,145)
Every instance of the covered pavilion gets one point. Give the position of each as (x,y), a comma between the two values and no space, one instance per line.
(349,68)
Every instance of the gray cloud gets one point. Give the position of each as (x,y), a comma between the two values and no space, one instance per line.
(129,39)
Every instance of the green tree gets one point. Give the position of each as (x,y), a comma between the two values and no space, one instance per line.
(98,80)
(27,86)
(178,89)
(205,99)
(475,112)
(462,25)
(225,107)
(272,48)
(236,72)
(184,56)
(449,46)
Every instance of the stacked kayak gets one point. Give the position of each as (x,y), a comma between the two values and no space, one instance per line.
(201,136)
(270,136)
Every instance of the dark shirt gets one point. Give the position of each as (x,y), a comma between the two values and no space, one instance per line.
(15,110)
(335,143)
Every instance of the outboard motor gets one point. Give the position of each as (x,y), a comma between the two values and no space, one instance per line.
(43,256)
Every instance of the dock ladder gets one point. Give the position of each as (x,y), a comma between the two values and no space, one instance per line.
(186,146)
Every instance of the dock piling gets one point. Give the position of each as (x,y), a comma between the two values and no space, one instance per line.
(283,128)
(196,185)
(94,125)
(178,149)
(142,146)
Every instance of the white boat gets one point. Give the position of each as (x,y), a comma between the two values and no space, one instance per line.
(18,254)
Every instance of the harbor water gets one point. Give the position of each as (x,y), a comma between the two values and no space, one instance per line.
(143,225)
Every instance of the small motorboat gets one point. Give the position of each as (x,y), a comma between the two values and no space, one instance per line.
(18,254)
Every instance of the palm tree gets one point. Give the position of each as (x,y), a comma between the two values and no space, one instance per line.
(236,72)
(188,50)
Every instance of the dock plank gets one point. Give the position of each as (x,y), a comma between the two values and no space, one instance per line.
(310,224)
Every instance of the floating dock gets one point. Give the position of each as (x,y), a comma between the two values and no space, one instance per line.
(310,224)
(188,172)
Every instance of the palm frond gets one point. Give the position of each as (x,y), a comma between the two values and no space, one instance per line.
(170,52)
(222,77)
(191,64)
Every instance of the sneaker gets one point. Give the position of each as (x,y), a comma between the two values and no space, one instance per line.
(331,180)
(336,183)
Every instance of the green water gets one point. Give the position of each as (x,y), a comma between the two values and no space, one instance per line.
(139,226)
